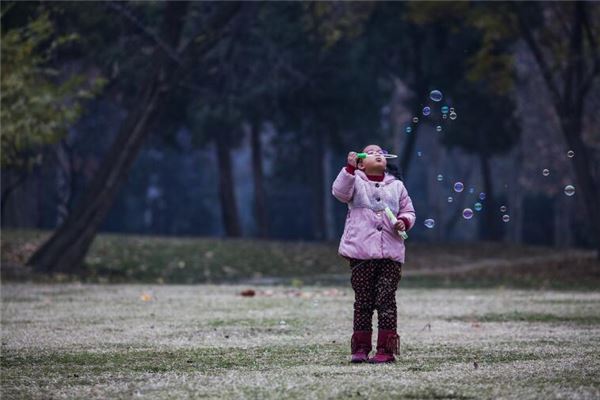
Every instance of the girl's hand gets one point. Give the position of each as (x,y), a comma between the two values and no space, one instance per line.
(399,226)
(352,158)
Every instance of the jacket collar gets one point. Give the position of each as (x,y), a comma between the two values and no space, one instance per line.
(387,178)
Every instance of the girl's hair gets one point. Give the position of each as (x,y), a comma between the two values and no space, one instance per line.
(391,168)
(395,171)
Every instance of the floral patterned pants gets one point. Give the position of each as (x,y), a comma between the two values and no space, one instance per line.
(375,283)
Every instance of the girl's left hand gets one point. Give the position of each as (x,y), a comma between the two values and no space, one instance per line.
(399,226)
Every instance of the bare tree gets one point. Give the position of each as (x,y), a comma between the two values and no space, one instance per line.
(569,78)
(65,250)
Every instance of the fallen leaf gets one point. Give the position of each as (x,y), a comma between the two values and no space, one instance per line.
(146,297)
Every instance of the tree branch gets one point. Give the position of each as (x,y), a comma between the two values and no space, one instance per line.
(577,57)
(8,189)
(124,11)
(538,55)
(586,83)
(573,69)
(214,28)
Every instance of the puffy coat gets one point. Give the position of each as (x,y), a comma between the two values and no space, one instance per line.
(368,233)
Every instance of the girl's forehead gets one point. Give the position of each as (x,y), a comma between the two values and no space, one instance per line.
(372,147)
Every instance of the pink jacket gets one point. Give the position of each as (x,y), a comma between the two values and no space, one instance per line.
(368,233)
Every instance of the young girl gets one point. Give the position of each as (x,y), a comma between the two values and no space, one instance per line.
(374,248)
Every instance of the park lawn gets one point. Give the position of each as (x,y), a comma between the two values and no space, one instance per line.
(153,259)
(65,341)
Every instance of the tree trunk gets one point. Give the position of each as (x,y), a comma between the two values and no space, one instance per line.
(229,211)
(38,178)
(8,189)
(407,152)
(327,197)
(66,248)
(260,200)
(562,222)
(569,103)
(459,204)
(417,103)
(319,216)
(436,201)
(490,229)
(571,122)
(585,186)
(517,203)
(63,182)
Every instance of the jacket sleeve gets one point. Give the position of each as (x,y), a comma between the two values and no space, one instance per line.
(407,211)
(343,186)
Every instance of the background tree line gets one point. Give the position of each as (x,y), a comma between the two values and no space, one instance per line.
(232,119)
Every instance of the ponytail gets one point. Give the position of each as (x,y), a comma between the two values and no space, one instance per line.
(395,171)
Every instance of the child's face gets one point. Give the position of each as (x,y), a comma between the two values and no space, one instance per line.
(375,162)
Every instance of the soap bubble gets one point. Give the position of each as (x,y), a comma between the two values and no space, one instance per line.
(458,187)
(436,95)
(419,154)
(451,109)
(506,218)
(481,196)
(426,111)
(438,128)
(415,120)
(408,129)
(545,172)
(570,153)
(450,199)
(471,190)
(477,206)
(503,208)
(429,223)
(445,110)
(440,177)
(453,115)
(569,190)
(467,213)
(444,116)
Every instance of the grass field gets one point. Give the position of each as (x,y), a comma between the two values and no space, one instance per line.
(164,318)
(207,341)
(150,259)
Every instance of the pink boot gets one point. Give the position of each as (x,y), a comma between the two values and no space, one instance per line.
(361,346)
(388,344)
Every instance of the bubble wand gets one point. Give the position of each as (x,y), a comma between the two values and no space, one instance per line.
(365,155)
(394,220)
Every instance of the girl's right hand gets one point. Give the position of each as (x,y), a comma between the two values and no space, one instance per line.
(352,158)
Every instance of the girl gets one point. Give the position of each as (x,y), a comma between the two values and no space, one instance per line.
(374,248)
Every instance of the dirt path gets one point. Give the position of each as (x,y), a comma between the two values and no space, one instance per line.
(503,263)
